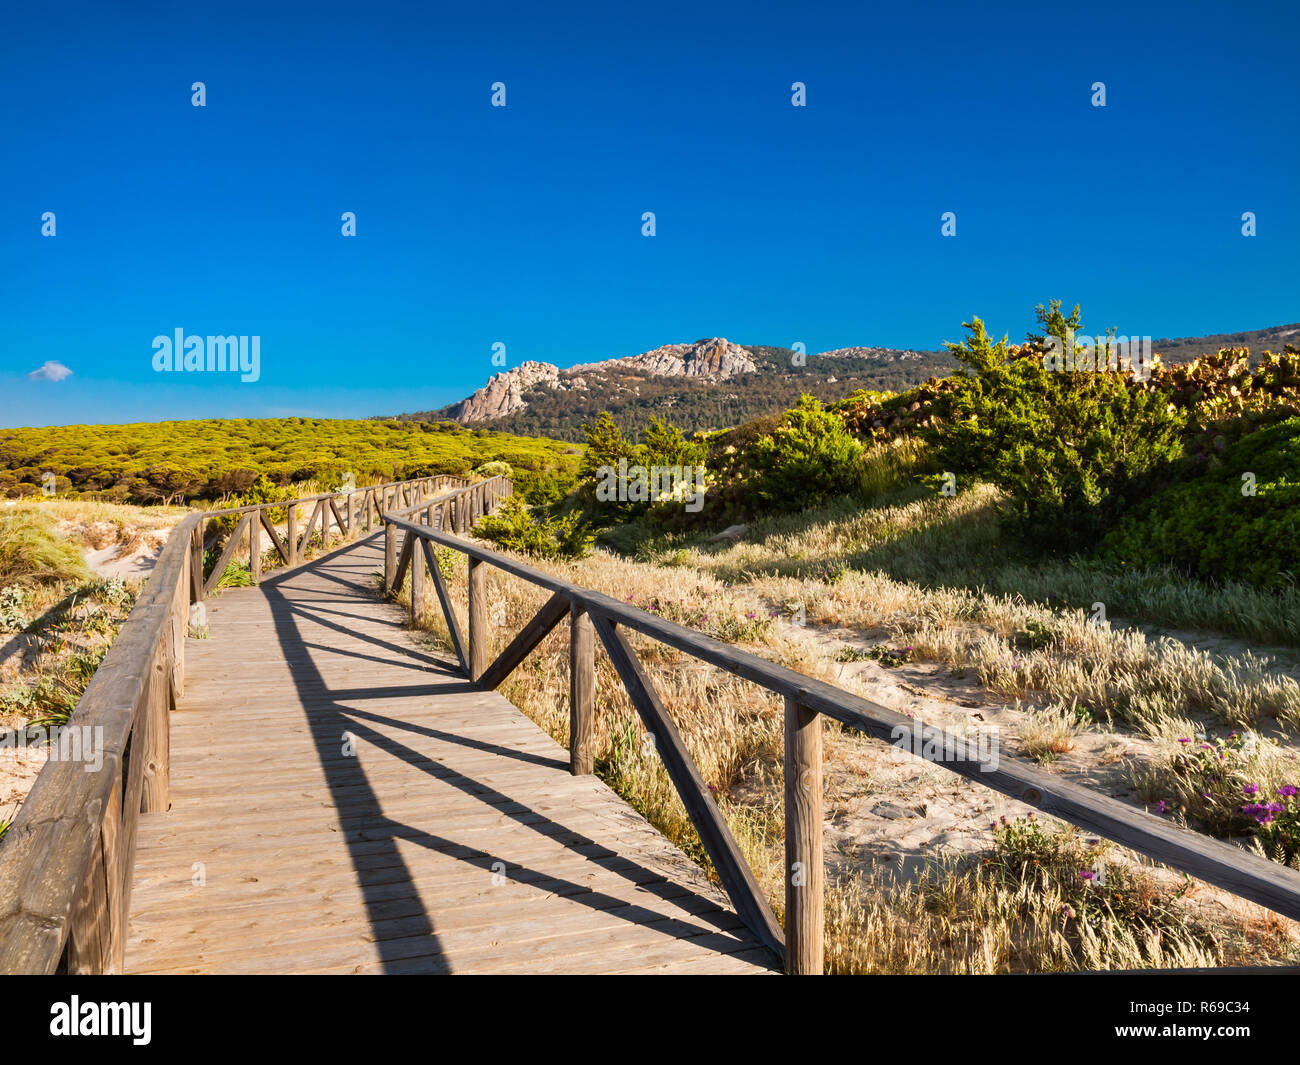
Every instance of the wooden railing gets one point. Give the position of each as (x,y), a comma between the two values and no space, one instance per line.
(359,504)
(67,861)
(806,701)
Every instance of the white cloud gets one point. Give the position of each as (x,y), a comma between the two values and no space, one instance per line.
(50,371)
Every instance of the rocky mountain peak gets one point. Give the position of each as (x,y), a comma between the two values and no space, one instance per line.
(713,359)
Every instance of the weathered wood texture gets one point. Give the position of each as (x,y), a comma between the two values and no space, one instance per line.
(805,880)
(454,839)
(582,692)
(65,862)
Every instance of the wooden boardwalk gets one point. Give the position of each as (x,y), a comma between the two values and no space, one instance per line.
(454,841)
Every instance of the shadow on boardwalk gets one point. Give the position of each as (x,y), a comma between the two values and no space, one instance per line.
(355,805)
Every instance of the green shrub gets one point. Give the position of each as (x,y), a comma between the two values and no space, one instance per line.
(237,574)
(1210,527)
(545,488)
(809,459)
(12,616)
(517,528)
(614,471)
(1070,448)
(262,490)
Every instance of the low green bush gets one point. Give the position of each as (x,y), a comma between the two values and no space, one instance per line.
(517,528)
(1070,448)
(1213,527)
(809,459)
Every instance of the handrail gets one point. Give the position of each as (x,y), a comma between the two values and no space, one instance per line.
(325,516)
(1229,867)
(365,490)
(67,861)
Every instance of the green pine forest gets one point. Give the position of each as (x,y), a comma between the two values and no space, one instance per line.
(219,459)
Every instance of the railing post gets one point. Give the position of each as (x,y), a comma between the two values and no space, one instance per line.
(478,648)
(417,577)
(293,533)
(196,563)
(582,691)
(804,872)
(390,555)
(255,546)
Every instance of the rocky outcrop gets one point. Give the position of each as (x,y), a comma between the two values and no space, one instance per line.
(716,359)
(504,392)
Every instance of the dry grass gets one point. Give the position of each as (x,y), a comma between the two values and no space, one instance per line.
(1049,731)
(913,539)
(957,919)
(734,732)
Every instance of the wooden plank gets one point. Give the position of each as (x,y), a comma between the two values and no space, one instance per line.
(582,691)
(418,567)
(338,518)
(537,629)
(444,599)
(280,548)
(315,861)
(151,741)
(224,558)
(733,870)
(96,935)
(805,881)
(47,854)
(403,562)
(316,512)
(390,556)
(196,563)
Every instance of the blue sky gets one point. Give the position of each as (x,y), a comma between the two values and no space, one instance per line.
(522,225)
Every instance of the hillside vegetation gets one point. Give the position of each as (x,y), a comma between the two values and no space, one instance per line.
(174,462)
(631,399)
(1190,467)
(698,404)
(1073,559)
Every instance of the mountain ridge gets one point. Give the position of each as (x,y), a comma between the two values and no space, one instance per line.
(714,382)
